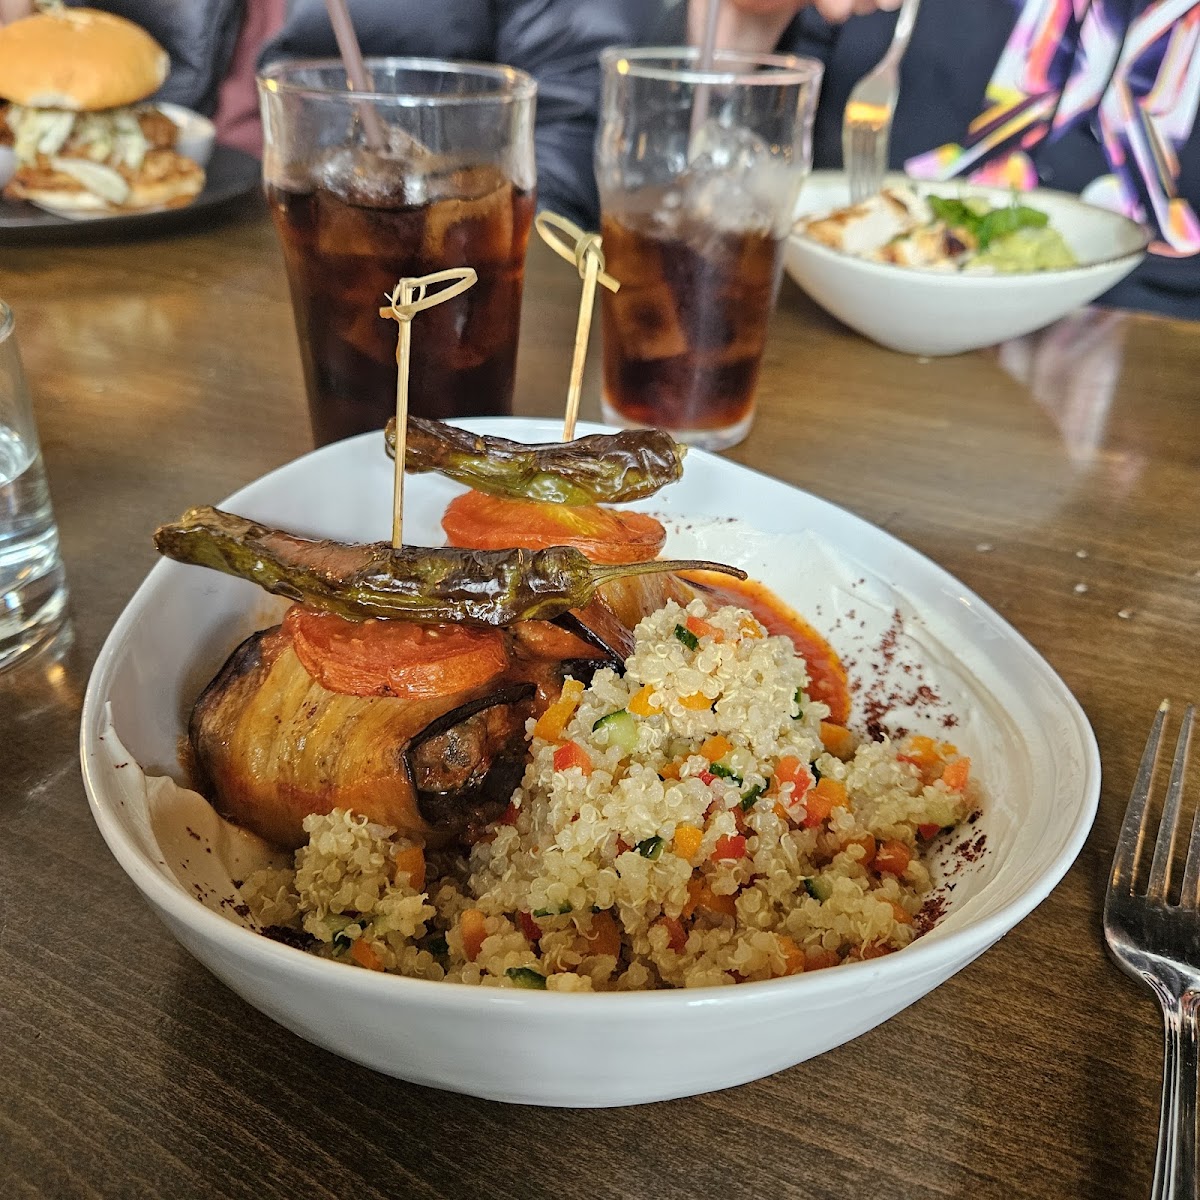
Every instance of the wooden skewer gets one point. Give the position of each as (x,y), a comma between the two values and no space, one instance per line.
(585,252)
(409,297)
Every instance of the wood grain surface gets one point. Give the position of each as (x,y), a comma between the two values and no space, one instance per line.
(1058,476)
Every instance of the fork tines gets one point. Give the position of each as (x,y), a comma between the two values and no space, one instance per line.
(1133,829)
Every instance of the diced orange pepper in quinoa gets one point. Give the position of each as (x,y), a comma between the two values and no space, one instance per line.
(410,861)
(930,830)
(791,770)
(750,628)
(867,842)
(641,703)
(701,895)
(793,956)
(572,754)
(698,627)
(782,813)
(687,840)
(823,799)
(696,702)
(922,752)
(603,936)
(837,739)
(553,721)
(901,914)
(471,926)
(365,955)
(715,748)
(669,771)
(817,958)
(893,857)
(957,774)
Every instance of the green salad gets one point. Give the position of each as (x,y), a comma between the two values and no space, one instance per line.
(1009,240)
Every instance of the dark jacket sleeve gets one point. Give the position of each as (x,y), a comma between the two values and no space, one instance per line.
(199,35)
(557,41)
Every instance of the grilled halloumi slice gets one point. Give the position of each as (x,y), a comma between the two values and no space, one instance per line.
(862,229)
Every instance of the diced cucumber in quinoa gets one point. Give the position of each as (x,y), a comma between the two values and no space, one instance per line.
(689,639)
(622,730)
(527,977)
(818,888)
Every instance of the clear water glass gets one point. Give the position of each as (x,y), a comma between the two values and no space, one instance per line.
(33,588)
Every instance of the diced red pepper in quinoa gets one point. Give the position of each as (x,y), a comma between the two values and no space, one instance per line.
(730,847)
(529,927)
(572,754)
(676,934)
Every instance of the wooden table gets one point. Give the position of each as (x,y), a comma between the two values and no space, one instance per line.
(1059,477)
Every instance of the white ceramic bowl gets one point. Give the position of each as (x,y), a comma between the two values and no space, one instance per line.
(928,312)
(1032,750)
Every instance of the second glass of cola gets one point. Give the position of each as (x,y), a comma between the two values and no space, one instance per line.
(699,172)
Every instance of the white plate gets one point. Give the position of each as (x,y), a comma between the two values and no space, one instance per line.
(875,598)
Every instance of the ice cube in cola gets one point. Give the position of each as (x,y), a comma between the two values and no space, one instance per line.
(351,226)
(684,336)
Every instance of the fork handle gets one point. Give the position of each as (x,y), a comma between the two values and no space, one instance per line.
(1175,1159)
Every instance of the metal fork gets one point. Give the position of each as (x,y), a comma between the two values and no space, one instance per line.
(1159,943)
(867,120)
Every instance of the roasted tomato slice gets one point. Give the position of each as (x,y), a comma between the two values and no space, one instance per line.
(393,658)
(480,522)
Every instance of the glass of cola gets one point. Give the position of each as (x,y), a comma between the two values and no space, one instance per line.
(433,168)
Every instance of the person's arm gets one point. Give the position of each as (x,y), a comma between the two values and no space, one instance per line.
(558,42)
(758,25)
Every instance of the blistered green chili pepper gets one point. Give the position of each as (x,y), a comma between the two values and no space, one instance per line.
(602,468)
(415,583)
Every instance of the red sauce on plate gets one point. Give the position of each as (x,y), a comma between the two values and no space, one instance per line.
(827,676)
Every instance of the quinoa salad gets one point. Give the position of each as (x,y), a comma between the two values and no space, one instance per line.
(696,821)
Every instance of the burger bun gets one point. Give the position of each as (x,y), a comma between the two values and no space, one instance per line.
(79,59)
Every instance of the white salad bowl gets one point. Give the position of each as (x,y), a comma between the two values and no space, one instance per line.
(931,312)
(1032,750)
